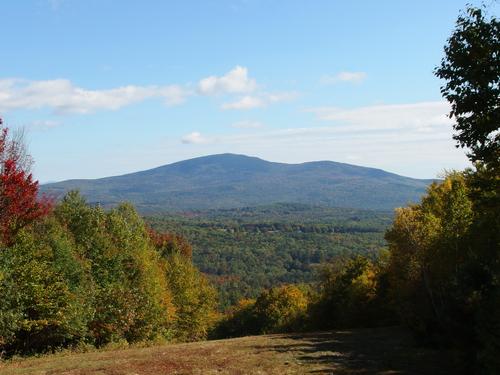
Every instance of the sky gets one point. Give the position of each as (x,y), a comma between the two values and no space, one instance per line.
(109,87)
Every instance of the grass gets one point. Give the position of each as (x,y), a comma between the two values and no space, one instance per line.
(361,351)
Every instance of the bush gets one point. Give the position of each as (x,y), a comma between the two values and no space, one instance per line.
(351,293)
(281,309)
(277,310)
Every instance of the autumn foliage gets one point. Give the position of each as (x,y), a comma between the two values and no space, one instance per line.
(74,274)
(170,243)
(19,201)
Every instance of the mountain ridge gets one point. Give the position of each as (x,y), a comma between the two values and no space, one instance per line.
(233,180)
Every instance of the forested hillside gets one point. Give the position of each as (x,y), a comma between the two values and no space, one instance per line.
(231,181)
(245,250)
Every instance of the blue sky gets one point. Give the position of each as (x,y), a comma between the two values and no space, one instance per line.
(108,87)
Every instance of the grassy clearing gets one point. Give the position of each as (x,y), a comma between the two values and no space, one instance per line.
(361,351)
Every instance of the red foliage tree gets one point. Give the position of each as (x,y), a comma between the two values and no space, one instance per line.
(20,204)
(170,243)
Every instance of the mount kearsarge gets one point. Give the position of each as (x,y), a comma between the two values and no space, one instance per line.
(233,181)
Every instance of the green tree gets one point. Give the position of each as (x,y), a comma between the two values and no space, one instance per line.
(430,258)
(45,294)
(281,309)
(350,295)
(239,320)
(194,299)
(444,272)
(132,298)
(471,69)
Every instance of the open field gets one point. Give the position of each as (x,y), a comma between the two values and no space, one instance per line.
(360,351)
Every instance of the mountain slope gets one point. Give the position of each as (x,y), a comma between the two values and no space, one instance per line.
(230,181)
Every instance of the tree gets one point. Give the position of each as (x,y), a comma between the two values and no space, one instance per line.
(349,294)
(281,309)
(239,320)
(444,268)
(194,299)
(276,310)
(19,201)
(133,301)
(170,243)
(471,68)
(44,291)
(430,264)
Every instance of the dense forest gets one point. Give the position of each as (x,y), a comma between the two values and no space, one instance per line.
(245,250)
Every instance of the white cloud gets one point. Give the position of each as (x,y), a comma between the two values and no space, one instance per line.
(235,81)
(173,94)
(421,117)
(351,77)
(259,101)
(281,97)
(194,138)
(247,124)
(410,139)
(246,102)
(64,97)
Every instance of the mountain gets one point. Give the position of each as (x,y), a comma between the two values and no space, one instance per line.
(231,181)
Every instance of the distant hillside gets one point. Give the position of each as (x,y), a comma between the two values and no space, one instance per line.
(232,181)
(244,250)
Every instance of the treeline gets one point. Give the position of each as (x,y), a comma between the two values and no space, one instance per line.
(78,275)
(287,215)
(349,292)
(286,227)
